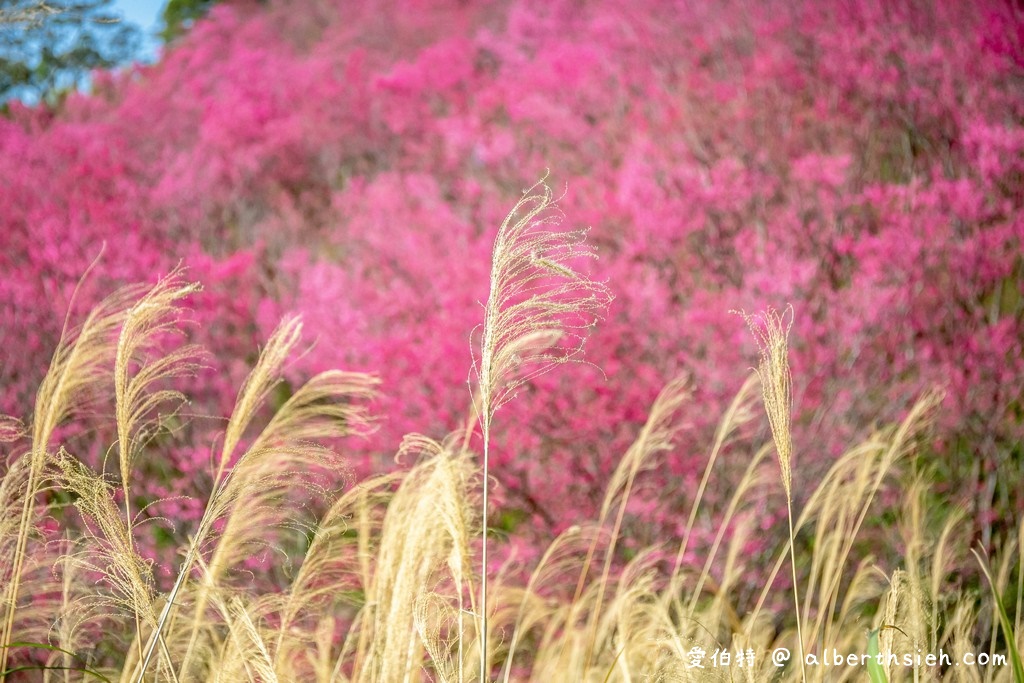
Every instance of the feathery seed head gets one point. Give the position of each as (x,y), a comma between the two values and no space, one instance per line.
(540,307)
(771,331)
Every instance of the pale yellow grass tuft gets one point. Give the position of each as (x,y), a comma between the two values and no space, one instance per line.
(80,365)
(422,543)
(538,313)
(250,489)
(771,330)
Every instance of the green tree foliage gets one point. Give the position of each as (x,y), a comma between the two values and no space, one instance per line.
(47,46)
(179,15)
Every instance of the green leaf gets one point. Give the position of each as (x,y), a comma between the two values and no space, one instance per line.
(1004,621)
(40,667)
(876,673)
(38,646)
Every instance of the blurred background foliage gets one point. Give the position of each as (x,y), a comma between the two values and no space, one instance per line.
(351,162)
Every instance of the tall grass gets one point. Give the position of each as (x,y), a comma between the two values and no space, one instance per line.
(772,333)
(537,315)
(390,581)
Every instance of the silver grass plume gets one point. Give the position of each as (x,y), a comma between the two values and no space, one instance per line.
(79,365)
(538,313)
(248,488)
(771,331)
